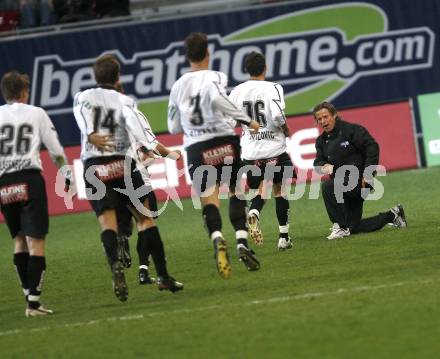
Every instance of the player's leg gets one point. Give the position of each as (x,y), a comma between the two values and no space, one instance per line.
(211,214)
(149,240)
(377,222)
(206,175)
(21,260)
(105,210)
(335,211)
(238,218)
(35,276)
(255,182)
(143,254)
(352,214)
(109,228)
(353,203)
(12,216)
(144,274)
(109,238)
(34,219)
(125,229)
(282,208)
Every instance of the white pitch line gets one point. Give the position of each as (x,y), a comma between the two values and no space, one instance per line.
(223,306)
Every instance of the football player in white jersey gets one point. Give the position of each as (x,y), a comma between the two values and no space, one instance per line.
(124,216)
(23,128)
(264,101)
(199,107)
(106,111)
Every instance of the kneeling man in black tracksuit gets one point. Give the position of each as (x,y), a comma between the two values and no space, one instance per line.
(349,154)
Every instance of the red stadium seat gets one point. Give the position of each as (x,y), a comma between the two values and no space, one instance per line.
(9,20)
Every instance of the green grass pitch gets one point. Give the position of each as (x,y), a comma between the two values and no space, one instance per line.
(368,296)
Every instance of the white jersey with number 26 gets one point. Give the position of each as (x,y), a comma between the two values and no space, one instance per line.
(23,128)
(264,102)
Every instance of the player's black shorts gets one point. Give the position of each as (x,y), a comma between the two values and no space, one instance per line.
(23,201)
(124,216)
(109,173)
(283,161)
(214,161)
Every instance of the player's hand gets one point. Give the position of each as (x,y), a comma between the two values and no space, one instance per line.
(102,142)
(363,183)
(146,157)
(66,172)
(174,155)
(366,183)
(254,126)
(327,169)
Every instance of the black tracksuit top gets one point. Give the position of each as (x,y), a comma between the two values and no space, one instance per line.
(346,144)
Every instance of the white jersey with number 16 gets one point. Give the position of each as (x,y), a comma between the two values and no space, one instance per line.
(264,102)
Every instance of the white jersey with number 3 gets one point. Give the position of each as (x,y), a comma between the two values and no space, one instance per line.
(264,102)
(192,110)
(23,128)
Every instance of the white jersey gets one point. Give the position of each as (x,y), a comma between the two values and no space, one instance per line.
(107,111)
(199,107)
(151,138)
(264,102)
(23,128)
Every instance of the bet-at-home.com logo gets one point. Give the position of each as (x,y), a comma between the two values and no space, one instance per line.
(315,54)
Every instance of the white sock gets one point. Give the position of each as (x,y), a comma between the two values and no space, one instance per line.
(216,234)
(241,234)
(255,212)
(284,229)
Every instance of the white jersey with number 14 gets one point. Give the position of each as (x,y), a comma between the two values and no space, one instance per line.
(106,111)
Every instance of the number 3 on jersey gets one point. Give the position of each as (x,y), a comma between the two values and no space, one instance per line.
(256,111)
(196,116)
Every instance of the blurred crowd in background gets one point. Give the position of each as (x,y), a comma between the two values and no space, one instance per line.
(28,14)
(31,13)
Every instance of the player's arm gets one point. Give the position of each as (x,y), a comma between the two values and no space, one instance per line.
(173,119)
(286,130)
(223,104)
(102,142)
(320,163)
(140,131)
(367,145)
(49,137)
(84,114)
(277,107)
(164,151)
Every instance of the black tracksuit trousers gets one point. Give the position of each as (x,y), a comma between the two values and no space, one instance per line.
(349,214)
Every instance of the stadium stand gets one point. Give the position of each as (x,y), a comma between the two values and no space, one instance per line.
(30,16)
